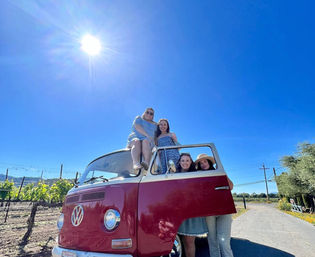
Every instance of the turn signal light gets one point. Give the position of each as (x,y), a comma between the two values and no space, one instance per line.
(121,243)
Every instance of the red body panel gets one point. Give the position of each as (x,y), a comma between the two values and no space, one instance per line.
(164,205)
(91,234)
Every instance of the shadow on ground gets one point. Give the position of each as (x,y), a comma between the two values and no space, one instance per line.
(243,248)
(45,250)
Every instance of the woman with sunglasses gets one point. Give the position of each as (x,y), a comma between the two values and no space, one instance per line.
(193,227)
(163,137)
(141,140)
(219,227)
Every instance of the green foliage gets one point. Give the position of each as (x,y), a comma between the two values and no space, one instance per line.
(300,178)
(59,190)
(41,192)
(28,192)
(6,189)
(254,195)
(284,205)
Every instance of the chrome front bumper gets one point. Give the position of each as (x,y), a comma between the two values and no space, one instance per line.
(63,252)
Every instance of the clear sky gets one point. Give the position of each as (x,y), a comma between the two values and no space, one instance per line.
(236,73)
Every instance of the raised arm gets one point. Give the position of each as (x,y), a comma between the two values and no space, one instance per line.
(174,138)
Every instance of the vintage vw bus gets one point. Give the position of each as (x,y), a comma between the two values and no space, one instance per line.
(115,211)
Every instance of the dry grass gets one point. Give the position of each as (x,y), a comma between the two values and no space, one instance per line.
(240,210)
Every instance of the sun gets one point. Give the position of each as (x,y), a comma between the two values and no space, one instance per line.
(91,45)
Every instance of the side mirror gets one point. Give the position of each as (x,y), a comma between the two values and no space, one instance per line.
(171,166)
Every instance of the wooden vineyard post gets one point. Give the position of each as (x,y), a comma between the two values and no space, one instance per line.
(30,223)
(31,219)
(61,171)
(20,188)
(8,207)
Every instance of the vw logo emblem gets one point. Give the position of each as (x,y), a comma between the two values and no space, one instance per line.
(77,215)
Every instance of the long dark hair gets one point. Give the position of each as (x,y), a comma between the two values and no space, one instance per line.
(211,167)
(158,132)
(192,166)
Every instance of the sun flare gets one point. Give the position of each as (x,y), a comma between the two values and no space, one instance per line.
(91,45)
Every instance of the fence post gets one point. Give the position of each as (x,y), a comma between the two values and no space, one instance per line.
(7,213)
(244,201)
(30,223)
(20,188)
(61,171)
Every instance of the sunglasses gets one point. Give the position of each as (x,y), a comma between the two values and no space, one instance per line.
(150,113)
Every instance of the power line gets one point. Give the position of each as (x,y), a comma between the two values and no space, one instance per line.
(252,183)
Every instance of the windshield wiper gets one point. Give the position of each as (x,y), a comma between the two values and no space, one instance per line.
(95,178)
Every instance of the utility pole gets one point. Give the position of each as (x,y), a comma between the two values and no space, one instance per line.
(7,174)
(264,168)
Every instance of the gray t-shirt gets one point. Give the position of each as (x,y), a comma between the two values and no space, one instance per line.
(148,127)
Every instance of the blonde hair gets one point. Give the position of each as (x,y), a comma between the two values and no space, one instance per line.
(149,108)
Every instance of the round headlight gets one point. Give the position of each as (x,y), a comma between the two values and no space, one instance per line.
(60,221)
(111,219)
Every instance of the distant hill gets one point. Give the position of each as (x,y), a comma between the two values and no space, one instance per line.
(18,180)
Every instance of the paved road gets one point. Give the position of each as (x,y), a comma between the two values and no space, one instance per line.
(264,231)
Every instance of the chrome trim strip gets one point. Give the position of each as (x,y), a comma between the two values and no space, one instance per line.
(182,175)
(57,252)
(211,145)
(102,184)
(222,188)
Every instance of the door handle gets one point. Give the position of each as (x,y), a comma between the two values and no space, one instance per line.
(222,188)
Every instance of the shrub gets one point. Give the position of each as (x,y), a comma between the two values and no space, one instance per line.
(6,188)
(59,190)
(284,205)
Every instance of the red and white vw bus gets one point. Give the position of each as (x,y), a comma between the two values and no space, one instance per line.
(113,212)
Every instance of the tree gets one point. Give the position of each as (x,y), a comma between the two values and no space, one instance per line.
(254,195)
(301,167)
(299,180)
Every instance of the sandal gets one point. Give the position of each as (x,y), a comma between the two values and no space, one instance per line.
(145,165)
(137,166)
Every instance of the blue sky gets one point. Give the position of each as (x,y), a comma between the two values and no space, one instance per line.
(239,74)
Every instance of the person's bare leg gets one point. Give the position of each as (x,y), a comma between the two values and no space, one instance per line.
(189,244)
(135,152)
(146,151)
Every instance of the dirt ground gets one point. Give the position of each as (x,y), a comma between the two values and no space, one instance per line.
(43,235)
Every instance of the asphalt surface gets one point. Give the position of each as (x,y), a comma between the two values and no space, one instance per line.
(264,231)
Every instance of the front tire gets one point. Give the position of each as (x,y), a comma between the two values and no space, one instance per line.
(177,249)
